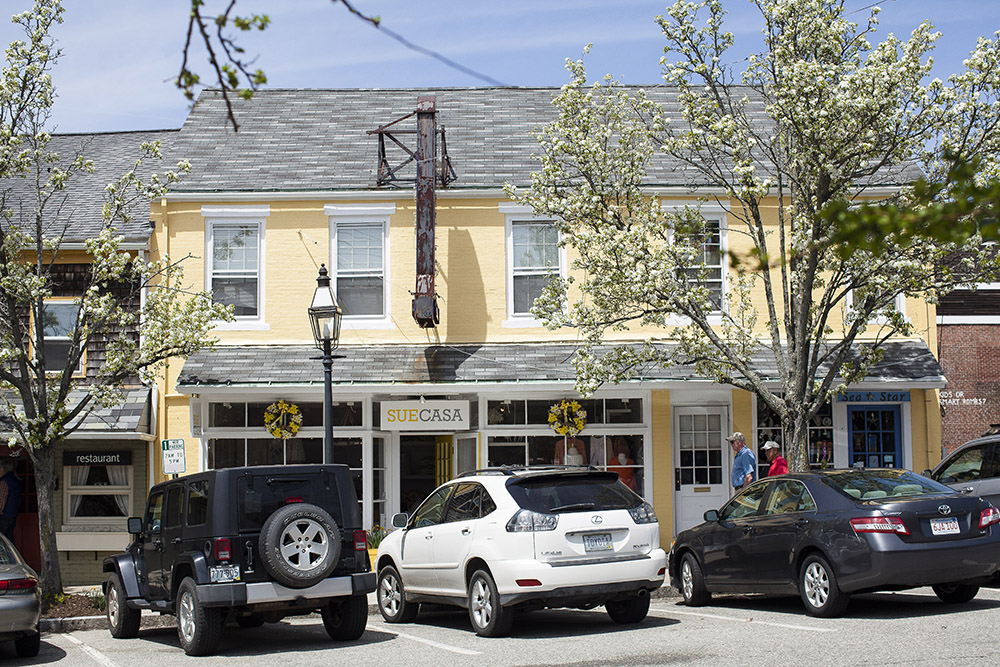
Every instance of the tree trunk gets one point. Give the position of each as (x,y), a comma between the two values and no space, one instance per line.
(51,575)
(797,430)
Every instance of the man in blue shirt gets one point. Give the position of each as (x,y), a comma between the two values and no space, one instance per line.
(744,462)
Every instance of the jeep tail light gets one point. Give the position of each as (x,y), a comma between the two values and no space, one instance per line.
(293,499)
(880,524)
(988,517)
(527,521)
(222,549)
(16,586)
(360,540)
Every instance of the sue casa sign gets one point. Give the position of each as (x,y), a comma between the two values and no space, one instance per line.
(425,415)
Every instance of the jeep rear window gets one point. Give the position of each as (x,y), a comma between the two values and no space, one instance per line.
(267,493)
(573,493)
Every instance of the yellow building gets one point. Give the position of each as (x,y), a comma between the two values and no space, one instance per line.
(303,184)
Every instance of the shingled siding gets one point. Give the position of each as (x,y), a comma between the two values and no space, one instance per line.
(970,358)
(70,280)
(968,302)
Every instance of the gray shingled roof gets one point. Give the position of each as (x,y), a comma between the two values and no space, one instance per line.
(257,365)
(113,153)
(309,140)
(131,415)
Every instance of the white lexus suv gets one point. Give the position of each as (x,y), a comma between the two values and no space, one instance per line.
(500,540)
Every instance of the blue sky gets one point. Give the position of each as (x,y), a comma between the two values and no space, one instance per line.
(120,56)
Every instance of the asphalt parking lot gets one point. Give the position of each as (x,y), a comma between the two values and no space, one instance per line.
(911,628)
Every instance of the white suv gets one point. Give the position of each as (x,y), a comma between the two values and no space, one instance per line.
(503,539)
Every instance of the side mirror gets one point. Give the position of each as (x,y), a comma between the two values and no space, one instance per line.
(134,525)
(926,472)
(398,520)
(711,515)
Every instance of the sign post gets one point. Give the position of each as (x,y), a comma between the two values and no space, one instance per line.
(173,456)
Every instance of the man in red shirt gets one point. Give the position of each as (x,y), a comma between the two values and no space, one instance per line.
(779,466)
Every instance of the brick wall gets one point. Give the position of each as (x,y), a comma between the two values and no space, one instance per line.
(970,357)
(83,568)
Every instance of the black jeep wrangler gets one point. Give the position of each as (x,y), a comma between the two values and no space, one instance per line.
(257,544)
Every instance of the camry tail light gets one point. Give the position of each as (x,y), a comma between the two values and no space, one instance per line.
(988,517)
(16,586)
(880,524)
(360,540)
(527,521)
(222,548)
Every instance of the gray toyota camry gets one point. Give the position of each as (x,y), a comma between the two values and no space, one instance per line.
(827,534)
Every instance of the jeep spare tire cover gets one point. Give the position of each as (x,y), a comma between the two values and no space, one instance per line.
(299,545)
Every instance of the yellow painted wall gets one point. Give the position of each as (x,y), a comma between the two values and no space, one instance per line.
(663,465)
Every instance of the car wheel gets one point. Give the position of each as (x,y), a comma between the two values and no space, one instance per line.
(489,618)
(251,621)
(693,583)
(955,593)
(27,646)
(819,590)
(391,596)
(346,619)
(299,545)
(199,629)
(632,610)
(122,620)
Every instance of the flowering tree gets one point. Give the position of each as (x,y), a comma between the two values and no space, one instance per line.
(817,122)
(35,390)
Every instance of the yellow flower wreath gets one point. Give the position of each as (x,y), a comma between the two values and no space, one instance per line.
(567,418)
(282,420)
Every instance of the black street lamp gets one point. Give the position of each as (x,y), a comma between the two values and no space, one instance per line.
(324,318)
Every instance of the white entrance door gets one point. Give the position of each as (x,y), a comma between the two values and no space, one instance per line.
(701,479)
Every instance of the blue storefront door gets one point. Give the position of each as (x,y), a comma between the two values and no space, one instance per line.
(875,436)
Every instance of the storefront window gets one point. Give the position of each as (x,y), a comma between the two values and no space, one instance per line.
(820,441)
(512,412)
(619,453)
(95,492)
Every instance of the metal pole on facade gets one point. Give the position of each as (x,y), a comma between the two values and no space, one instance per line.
(324,318)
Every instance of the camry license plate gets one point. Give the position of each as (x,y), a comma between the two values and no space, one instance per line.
(223,574)
(597,542)
(947,526)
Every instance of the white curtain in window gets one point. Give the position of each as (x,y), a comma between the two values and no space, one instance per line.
(77,477)
(118,475)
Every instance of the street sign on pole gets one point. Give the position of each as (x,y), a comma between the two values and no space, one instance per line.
(173,456)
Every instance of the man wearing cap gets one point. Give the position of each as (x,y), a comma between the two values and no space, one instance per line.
(744,463)
(779,466)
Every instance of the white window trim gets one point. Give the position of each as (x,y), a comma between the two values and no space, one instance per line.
(899,303)
(518,213)
(370,213)
(70,490)
(81,370)
(230,215)
(709,211)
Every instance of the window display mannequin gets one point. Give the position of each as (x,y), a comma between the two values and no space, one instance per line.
(571,452)
(621,463)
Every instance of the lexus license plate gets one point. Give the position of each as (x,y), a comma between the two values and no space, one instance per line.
(597,542)
(947,526)
(223,574)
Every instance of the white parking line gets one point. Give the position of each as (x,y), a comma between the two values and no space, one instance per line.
(98,657)
(443,647)
(743,620)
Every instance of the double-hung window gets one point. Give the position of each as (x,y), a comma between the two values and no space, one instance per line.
(533,259)
(707,267)
(360,240)
(235,259)
(58,323)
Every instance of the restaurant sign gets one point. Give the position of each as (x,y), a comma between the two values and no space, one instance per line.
(425,415)
(121,457)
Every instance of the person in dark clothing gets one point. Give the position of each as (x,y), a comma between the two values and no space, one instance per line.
(10,498)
